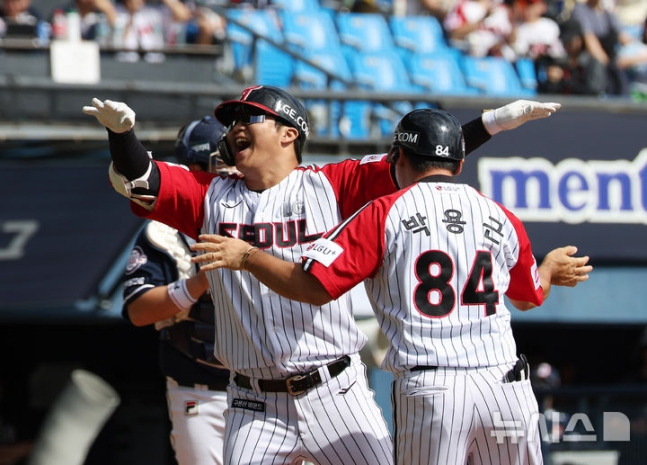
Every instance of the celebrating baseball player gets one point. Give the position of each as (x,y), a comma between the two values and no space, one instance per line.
(162,287)
(298,388)
(438,258)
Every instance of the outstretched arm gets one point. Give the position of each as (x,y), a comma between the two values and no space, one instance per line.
(510,116)
(132,172)
(285,278)
(560,267)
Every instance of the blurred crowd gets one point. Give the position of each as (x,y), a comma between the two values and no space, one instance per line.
(581,47)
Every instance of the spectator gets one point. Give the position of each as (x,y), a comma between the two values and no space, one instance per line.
(206,26)
(147,27)
(19,19)
(365,6)
(480,28)
(632,57)
(535,34)
(577,73)
(603,33)
(437,8)
(250,3)
(631,13)
(97,19)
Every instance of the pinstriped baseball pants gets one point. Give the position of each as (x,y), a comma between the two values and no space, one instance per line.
(464,416)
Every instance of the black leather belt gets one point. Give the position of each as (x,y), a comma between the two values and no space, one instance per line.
(297,384)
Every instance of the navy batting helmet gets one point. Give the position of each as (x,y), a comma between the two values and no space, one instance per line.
(197,141)
(431,133)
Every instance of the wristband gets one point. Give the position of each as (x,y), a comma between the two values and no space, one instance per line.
(490,122)
(243,259)
(179,294)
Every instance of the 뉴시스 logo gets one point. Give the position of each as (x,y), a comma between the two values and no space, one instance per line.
(579,428)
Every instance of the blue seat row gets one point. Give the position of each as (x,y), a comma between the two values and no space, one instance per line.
(366,51)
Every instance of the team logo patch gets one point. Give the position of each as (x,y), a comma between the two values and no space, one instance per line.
(324,251)
(190,407)
(137,259)
(248,405)
(372,158)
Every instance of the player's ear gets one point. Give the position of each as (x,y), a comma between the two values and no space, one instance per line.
(459,168)
(289,134)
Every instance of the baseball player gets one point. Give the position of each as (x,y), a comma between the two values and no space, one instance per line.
(162,287)
(299,389)
(438,258)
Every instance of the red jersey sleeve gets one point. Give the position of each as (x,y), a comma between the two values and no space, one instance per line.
(351,252)
(180,200)
(524,276)
(357,182)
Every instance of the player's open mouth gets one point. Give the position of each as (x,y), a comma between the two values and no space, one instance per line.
(242,143)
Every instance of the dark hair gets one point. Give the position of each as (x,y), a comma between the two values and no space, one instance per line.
(422,163)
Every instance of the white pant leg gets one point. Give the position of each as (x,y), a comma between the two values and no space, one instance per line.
(432,418)
(336,423)
(198,424)
(453,416)
(510,416)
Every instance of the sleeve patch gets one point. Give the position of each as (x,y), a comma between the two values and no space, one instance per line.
(136,260)
(323,251)
(535,273)
(372,158)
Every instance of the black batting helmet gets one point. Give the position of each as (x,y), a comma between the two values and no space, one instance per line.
(197,141)
(431,133)
(273,101)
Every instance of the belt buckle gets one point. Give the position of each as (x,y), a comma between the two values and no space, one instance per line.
(291,390)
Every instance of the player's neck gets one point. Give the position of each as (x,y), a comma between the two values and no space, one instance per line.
(258,179)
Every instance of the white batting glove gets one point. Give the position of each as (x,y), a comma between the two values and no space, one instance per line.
(515,114)
(116,116)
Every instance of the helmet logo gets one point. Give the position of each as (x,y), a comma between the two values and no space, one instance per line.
(201,147)
(442,151)
(408,137)
(291,113)
(245,93)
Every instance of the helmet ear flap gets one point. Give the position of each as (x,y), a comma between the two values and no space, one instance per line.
(225,152)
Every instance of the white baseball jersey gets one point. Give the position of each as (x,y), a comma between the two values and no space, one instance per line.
(440,257)
(259,333)
(264,336)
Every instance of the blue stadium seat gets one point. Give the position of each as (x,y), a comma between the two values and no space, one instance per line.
(418,34)
(367,32)
(525,68)
(272,66)
(332,119)
(242,42)
(439,73)
(495,76)
(297,5)
(381,70)
(384,71)
(333,60)
(312,30)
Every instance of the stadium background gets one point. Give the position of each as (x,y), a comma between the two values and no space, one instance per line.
(64,236)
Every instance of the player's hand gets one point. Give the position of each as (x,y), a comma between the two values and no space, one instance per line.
(116,116)
(515,114)
(219,252)
(565,268)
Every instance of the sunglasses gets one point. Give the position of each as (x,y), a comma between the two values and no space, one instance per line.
(243,116)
